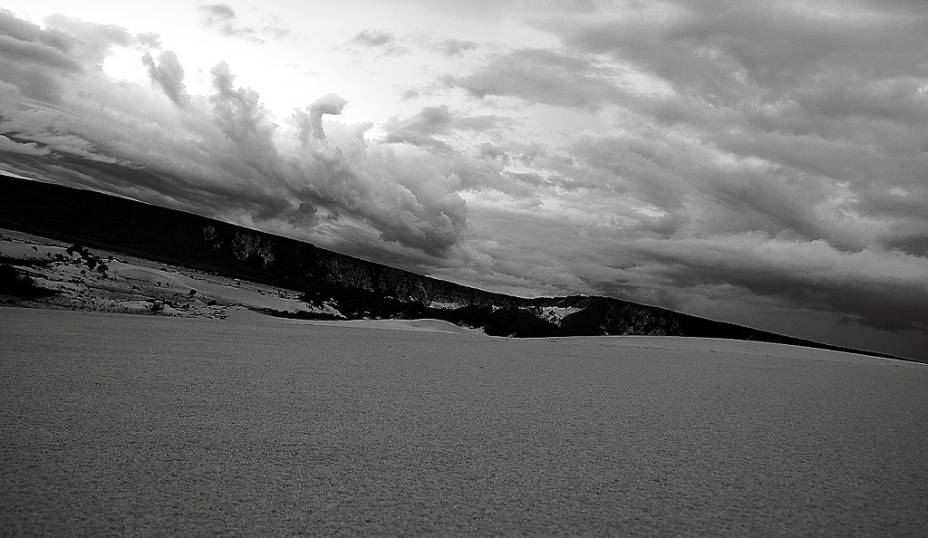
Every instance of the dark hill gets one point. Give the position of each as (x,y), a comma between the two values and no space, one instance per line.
(355,287)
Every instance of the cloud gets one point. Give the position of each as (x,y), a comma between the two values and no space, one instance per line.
(168,74)
(223,18)
(541,76)
(455,47)
(385,42)
(882,289)
(238,111)
(149,40)
(221,155)
(420,130)
(39,53)
(218,13)
(761,163)
(89,42)
(423,128)
(373,38)
(804,119)
(312,123)
(33,59)
(28,148)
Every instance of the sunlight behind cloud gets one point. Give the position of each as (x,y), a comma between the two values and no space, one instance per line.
(123,63)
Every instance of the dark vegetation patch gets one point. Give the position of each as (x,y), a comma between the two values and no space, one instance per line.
(92,261)
(14,283)
(359,303)
(300,314)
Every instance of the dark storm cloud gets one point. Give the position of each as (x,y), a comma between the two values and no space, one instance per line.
(880,289)
(709,208)
(168,74)
(774,151)
(796,123)
(836,94)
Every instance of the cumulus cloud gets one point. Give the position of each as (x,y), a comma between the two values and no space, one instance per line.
(327,104)
(238,111)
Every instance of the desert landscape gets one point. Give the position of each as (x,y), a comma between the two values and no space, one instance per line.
(442,268)
(119,424)
(147,398)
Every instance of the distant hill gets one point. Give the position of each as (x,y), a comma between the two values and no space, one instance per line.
(356,288)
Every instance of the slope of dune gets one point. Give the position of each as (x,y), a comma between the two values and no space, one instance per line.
(130,425)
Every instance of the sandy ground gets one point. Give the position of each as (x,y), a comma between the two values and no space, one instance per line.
(146,425)
(250,317)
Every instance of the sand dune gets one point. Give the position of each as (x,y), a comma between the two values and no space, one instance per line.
(122,424)
(415,325)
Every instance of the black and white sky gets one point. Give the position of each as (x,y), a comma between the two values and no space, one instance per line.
(763,162)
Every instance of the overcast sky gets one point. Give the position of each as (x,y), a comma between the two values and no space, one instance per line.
(761,162)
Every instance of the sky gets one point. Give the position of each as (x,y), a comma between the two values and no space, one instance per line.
(761,162)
